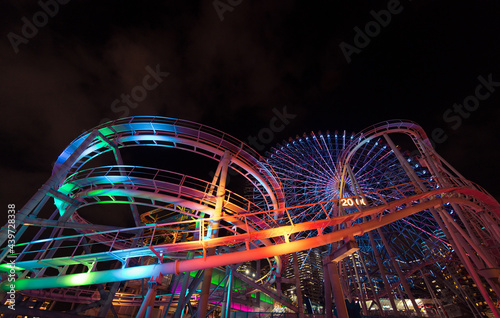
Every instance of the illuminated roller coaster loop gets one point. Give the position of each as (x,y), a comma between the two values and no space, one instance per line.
(356,198)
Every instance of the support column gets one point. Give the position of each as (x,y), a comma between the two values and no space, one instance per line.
(471,250)
(472,306)
(472,271)
(435,300)
(300,302)
(464,220)
(360,286)
(403,300)
(149,299)
(328,292)
(181,303)
(344,272)
(332,262)
(278,285)
(257,277)
(174,284)
(357,191)
(381,269)
(108,302)
(400,274)
(338,294)
(375,296)
(213,230)
(226,305)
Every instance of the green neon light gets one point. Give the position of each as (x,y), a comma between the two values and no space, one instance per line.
(89,278)
(263,297)
(79,279)
(216,278)
(238,284)
(106,131)
(7,267)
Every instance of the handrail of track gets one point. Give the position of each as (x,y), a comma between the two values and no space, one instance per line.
(171,132)
(91,185)
(378,216)
(373,131)
(289,215)
(157,180)
(417,133)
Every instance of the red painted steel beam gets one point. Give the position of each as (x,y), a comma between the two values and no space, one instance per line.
(226,259)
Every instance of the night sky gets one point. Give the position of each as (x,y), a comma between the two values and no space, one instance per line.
(232,64)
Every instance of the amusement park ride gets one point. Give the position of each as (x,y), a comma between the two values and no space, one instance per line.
(324,222)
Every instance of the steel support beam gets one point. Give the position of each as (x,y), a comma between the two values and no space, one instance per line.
(360,286)
(213,229)
(253,284)
(53,181)
(472,271)
(149,299)
(402,278)
(71,225)
(226,304)
(338,294)
(372,286)
(435,300)
(300,303)
(383,274)
(328,291)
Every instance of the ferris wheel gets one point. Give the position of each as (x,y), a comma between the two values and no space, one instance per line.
(311,171)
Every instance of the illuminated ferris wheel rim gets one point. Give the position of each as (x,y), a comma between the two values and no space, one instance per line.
(310,164)
(310,168)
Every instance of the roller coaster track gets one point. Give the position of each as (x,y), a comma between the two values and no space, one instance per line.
(247,230)
(351,225)
(420,139)
(180,134)
(74,187)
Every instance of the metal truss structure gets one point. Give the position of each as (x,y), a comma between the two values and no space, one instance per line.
(387,230)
